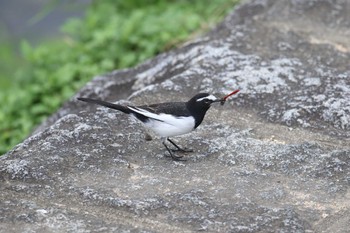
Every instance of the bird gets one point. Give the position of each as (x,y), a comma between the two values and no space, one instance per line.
(167,119)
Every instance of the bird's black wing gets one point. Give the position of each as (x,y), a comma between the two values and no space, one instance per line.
(174,108)
(178,109)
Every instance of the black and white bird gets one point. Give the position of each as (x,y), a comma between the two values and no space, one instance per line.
(168,119)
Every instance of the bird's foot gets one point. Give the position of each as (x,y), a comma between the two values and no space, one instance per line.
(178,158)
(175,157)
(184,150)
(179,148)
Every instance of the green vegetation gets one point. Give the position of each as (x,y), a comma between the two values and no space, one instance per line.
(112,35)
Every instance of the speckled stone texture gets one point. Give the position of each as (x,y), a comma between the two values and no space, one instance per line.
(275,158)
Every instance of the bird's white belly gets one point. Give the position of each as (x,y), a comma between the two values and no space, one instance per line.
(171,126)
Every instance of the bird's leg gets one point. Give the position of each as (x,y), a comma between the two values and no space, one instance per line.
(173,156)
(179,148)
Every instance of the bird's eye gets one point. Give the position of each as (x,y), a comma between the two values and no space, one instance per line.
(206,101)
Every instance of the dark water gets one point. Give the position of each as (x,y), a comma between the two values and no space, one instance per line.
(36,20)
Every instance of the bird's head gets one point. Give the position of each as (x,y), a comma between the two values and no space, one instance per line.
(202,101)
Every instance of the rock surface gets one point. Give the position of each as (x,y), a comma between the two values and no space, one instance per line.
(275,158)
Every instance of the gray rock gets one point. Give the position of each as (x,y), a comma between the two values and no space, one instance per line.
(275,158)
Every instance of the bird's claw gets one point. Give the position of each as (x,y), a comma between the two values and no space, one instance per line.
(184,150)
(178,158)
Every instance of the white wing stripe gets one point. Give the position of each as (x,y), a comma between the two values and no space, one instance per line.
(166,118)
(146,113)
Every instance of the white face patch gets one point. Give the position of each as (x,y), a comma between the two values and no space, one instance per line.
(209,97)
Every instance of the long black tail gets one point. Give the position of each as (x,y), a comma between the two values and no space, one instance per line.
(122,108)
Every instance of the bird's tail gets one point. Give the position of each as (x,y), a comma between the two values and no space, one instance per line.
(122,108)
